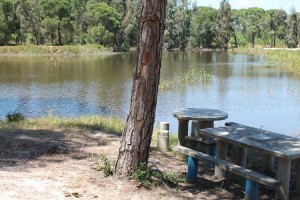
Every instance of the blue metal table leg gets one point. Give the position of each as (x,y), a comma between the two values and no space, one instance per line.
(251,188)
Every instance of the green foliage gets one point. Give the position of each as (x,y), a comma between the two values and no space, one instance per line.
(104,165)
(174,178)
(143,175)
(224,24)
(178,24)
(99,35)
(114,24)
(146,176)
(292,32)
(239,40)
(8,22)
(203,27)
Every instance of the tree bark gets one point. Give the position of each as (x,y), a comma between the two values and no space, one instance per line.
(59,36)
(136,139)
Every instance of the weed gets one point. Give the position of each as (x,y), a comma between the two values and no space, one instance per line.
(174,178)
(104,165)
(15,117)
(143,175)
(146,176)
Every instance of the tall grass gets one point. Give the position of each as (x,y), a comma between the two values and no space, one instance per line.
(106,124)
(186,77)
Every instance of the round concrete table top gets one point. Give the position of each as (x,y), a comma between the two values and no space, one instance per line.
(200,114)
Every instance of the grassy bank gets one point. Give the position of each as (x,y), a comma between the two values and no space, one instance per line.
(107,125)
(288,58)
(55,50)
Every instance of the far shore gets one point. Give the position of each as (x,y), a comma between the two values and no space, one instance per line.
(55,50)
(286,49)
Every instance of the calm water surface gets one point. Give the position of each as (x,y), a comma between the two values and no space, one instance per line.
(244,86)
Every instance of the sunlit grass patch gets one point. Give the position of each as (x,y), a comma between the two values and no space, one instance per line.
(108,125)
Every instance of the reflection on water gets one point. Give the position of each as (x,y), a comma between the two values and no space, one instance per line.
(243,86)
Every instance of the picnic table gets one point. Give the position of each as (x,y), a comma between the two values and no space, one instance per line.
(285,148)
(204,116)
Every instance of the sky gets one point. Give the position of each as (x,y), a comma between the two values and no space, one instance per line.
(265,4)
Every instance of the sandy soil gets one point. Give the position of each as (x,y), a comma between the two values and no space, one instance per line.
(59,164)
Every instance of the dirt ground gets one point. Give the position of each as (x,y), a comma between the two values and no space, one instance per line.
(59,164)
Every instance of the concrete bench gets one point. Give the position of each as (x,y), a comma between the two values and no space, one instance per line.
(206,143)
(252,178)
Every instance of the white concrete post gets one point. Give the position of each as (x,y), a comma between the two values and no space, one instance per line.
(163,140)
(163,136)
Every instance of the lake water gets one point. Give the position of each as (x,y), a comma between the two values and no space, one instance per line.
(244,86)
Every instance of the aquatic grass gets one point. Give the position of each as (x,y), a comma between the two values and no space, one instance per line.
(187,77)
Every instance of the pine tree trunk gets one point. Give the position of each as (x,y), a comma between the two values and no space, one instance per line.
(136,139)
(59,36)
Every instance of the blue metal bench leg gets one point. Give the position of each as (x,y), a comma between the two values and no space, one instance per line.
(192,166)
(251,190)
(192,169)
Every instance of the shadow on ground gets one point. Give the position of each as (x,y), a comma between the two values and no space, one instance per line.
(19,146)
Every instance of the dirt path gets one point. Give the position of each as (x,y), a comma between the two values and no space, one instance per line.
(59,164)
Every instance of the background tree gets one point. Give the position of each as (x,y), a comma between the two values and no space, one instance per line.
(183,20)
(8,21)
(254,23)
(130,23)
(292,31)
(104,24)
(170,35)
(80,20)
(29,12)
(57,16)
(203,31)
(280,24)
(136,139)
(114,24)
(224,24)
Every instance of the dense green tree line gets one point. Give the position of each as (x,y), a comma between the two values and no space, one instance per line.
(113,24)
